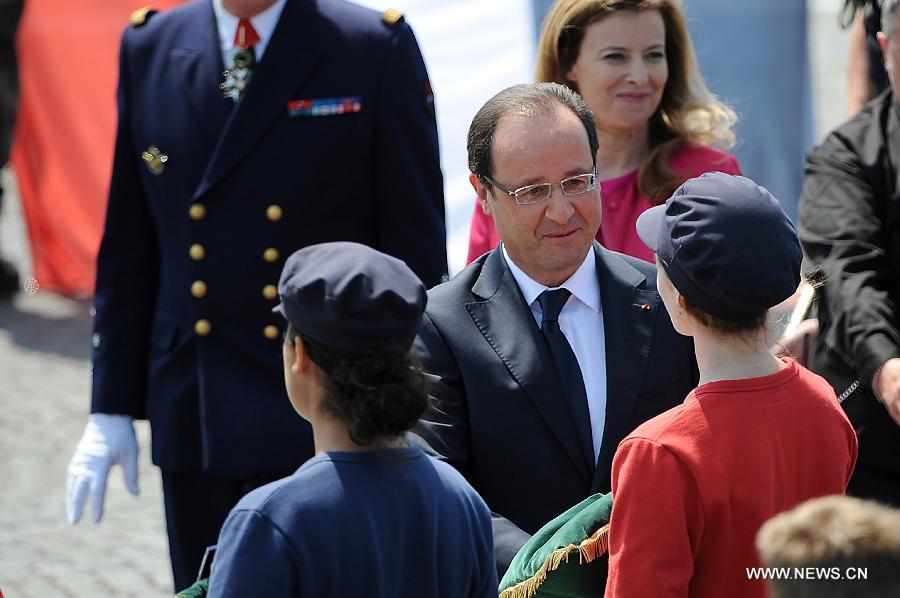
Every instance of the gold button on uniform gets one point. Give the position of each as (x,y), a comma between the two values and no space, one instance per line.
(198,289)
(197,211)
(270,291)
(270,332)
(274,212)
(197,252)
(202,327)
(271,255)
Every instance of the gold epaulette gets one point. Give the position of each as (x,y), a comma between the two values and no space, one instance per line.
(391,17)
(142,15)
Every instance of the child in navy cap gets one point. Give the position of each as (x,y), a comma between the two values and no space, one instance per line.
(758,436)
(369,515)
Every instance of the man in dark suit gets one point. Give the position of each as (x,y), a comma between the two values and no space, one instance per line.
(547,351)
(321,129)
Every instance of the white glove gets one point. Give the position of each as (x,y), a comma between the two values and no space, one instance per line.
(107,440)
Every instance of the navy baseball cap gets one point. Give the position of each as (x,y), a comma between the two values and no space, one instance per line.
(350,297)
(726,245)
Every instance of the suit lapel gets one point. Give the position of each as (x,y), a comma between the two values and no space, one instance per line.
(629,317)
(198,60)
(509,326)
(289,58)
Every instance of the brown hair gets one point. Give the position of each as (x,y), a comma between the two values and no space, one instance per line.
(687,113)
(726,327)
(379,393)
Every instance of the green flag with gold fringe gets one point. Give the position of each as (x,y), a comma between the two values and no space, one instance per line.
(567,558)
(198,590)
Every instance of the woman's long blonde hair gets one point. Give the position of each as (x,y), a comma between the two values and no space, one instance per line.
(687,112)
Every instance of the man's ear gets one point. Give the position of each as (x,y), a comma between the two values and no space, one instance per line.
(882,42)
(482,191)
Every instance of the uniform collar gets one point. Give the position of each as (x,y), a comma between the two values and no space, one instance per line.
(264,23)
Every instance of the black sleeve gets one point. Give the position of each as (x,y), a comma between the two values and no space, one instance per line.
(443,430)
(409,186)
(444,427)
(127,274)
(842,230)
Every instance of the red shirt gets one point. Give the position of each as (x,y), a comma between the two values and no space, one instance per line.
(622,204)
(693,485)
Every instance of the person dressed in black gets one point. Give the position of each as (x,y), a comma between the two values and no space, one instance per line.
(369,515)
(849,226)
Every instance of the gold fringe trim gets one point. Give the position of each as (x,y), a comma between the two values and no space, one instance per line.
(590,549)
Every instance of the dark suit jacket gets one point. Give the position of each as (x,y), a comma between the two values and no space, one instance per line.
(497,412)
(217,402)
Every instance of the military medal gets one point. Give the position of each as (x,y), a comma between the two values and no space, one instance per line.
(238,76)
(243,62)
(154,159)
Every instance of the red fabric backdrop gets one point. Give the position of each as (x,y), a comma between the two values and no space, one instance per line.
(62,153)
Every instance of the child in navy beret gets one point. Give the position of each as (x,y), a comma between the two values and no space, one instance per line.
(370,514)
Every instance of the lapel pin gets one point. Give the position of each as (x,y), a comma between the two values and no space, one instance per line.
(154,159)
(643,306)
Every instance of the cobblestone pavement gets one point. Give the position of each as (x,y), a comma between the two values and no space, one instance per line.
(44,390)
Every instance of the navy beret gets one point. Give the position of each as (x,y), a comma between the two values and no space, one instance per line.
(726,244)
(351,297)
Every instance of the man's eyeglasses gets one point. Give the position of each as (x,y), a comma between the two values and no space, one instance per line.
(530,194)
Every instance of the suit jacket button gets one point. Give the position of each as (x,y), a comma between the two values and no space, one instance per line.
(270,332)
(274,212)
(271,255)
(270,292)
(202,327)
(198,289)
(197,252)
(197,211)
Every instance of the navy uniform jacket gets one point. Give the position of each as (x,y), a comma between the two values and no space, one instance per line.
(497,411)
(380,524)
(184,332)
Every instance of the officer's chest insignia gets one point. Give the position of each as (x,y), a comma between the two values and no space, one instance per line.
(324,106)
(154,159)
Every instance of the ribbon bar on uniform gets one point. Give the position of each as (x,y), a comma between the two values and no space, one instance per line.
(324,106)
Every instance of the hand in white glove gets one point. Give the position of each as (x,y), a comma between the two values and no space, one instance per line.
(107,440)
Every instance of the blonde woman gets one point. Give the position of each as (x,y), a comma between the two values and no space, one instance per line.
(633,63)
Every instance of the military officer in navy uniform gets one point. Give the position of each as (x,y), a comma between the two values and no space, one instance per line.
(246,129)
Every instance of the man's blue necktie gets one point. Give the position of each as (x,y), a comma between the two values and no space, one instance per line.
(552,302)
